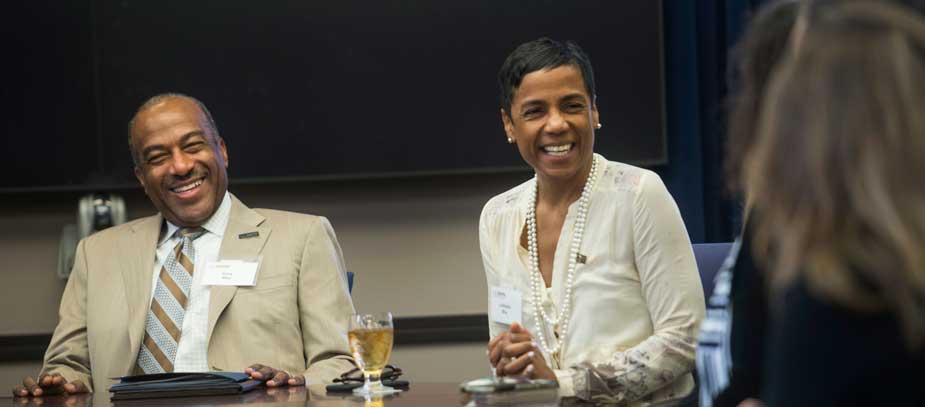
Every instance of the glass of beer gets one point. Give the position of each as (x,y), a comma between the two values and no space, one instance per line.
(371,343)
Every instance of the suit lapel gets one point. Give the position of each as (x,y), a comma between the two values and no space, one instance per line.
(136,275)
(238,242)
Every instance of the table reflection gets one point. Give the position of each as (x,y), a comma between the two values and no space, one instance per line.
(424,394)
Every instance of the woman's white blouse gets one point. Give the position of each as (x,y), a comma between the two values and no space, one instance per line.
(637,301)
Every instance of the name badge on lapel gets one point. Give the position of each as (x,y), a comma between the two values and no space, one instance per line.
(234,272)
(506,305)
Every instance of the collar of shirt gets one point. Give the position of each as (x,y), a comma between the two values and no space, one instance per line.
(215,225)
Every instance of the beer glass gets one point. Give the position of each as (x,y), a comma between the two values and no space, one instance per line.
(371,343)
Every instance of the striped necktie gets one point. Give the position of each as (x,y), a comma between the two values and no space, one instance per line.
(165,318)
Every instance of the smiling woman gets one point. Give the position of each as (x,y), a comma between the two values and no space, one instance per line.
(596,249)
(550,121)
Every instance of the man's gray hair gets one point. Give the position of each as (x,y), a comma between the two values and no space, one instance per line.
(158,99)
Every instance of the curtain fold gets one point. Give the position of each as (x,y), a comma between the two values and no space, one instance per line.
(698,37)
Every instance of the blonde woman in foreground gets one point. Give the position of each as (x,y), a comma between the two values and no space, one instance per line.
(836,177)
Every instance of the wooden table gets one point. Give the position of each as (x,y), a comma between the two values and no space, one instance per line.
(420,395)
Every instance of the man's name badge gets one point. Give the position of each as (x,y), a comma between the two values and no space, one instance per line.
(231,272)
(505,304)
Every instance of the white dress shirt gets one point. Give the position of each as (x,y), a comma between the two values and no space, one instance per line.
(636,302)
(191,349)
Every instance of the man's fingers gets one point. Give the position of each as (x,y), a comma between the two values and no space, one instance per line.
(51,380)
(20,391)
(76,386)
(253,368)
(266,373)
(281,378)
(43,379)
(46,385)
(35,390)
(297,380)
(25,389)
(47,391)
(58,380)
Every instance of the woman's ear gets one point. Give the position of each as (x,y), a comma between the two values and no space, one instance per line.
(508,127)
(595,117)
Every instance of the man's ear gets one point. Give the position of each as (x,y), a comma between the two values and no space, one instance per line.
(140,176)
(508,126)
(224,150)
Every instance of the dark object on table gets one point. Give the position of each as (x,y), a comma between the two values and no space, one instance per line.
(181,385)
(354,378)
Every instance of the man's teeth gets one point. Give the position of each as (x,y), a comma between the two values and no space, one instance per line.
(558,150)
(187,187)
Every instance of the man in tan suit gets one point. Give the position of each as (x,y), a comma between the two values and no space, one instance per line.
(136,303)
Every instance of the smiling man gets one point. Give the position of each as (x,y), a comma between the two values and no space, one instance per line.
(147,296)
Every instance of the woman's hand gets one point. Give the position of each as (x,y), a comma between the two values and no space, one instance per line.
(514,353)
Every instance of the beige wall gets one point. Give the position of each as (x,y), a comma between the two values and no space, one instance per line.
(413,244)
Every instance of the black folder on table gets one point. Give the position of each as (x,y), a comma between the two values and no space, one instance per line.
(181,385)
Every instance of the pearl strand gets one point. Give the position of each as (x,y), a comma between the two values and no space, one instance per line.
(536,278)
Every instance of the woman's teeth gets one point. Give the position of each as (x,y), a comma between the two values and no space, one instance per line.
(559,150)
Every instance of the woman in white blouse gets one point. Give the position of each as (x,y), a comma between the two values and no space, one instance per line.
(600,245)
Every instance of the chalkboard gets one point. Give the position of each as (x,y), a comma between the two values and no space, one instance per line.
(303,89)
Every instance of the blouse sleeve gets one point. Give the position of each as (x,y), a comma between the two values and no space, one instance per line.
(486,237)
(674,297)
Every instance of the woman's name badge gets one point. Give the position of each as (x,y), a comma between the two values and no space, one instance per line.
(231,272)
(505,304)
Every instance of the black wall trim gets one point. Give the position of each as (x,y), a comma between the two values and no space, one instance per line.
(441,329)
(429,330)
(23,348)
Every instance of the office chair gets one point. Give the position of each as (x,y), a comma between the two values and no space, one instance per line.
(710,257)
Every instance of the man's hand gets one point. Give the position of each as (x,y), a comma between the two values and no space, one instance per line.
(273,377)
(48,385)
(514,353)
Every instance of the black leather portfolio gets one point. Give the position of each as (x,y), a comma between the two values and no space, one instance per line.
(181,385)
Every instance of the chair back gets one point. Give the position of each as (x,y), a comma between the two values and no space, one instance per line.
(710,257)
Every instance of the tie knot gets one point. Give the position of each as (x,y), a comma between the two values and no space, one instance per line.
(191,233)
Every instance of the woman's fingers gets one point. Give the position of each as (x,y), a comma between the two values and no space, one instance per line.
(518,365)
(514,350)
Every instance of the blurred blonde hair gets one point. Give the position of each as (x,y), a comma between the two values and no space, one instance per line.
(836,175)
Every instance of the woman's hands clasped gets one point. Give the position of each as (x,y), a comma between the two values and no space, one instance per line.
(515,353)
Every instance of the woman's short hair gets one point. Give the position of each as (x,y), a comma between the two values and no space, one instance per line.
(539,54)
(836,172)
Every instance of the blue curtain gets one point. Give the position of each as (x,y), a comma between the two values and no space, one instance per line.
(698,35)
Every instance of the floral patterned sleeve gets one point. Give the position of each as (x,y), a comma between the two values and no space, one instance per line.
(633,374)
(674,297)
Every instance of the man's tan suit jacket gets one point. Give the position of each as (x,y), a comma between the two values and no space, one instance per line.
(295,318)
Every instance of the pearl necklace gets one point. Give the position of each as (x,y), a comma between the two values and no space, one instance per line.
(536,278)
